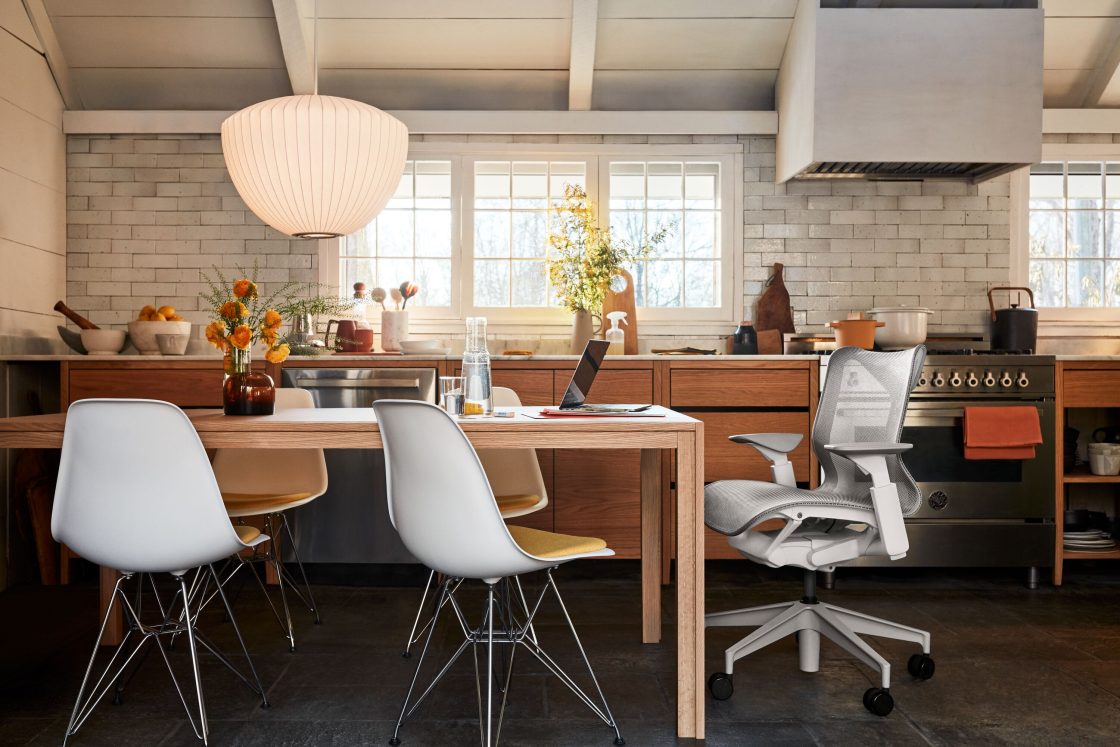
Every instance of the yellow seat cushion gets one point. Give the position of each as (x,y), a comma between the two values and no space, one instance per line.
(516,502)
(246,533)
(248,504)
(544,544)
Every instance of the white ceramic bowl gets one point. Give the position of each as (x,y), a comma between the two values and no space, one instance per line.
(102,341)
(172,344)
(416,347)
(143,334)
(903,326)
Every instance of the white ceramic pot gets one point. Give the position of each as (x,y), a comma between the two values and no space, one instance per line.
(903,326)
(394,329)
(143,334)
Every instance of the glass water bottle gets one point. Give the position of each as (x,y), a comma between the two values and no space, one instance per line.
(479,399)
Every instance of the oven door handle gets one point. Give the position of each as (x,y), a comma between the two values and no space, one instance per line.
(938,416)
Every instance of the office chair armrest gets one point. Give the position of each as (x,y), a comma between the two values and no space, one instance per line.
(774,446)
(871,459)
(870,447)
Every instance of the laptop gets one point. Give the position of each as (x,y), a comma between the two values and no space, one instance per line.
(575,396)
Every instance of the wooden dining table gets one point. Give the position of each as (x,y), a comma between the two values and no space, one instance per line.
(357,429)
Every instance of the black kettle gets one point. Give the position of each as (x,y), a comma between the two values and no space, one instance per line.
(1014,328)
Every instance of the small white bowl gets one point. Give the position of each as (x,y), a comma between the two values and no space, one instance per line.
(103,341)
(172,344)
(419,347)
(143,334)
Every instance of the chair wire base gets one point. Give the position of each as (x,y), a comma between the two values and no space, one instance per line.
(116,676)
(507,621)
(274,523)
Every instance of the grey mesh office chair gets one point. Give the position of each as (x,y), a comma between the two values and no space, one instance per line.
(856,512)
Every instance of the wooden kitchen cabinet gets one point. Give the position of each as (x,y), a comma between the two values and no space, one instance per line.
(598,493)
(183,383)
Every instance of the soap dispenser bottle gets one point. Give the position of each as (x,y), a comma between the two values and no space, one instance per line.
(616,336)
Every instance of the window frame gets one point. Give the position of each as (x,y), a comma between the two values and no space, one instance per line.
(1020,232)
(549,321)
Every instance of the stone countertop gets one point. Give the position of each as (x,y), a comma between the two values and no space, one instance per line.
(295,359)
(1103,358)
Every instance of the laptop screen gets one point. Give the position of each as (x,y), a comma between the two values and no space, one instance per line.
(584,376)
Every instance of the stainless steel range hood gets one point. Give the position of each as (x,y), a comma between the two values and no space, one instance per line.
(910,93)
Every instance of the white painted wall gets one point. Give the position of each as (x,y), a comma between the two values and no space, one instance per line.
(32,182)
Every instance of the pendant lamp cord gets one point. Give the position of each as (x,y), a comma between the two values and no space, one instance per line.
(315,47)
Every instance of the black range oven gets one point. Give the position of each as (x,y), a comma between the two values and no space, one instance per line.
(986,512)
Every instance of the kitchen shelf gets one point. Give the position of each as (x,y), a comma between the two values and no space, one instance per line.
(1083,475)
(1089,555)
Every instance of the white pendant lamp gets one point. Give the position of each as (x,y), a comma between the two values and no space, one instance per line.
(314,166)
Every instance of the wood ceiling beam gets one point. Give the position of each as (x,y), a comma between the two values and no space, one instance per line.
(581,62)
(56,61)
(1103,75)
(459,122)
(297,47)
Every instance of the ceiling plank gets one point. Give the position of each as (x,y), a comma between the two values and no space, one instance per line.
(56,61)
(581,65)
(297,51)
(519,122)
(1104,74)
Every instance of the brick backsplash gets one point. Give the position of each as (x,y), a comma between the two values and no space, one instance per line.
(148,214)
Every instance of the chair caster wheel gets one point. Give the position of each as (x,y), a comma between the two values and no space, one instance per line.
(878,701)
(720,686)
(920,666)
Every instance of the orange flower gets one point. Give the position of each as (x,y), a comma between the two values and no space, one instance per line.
(245,288)
(241,337)
(233,310)
(272,319)
(278,354)
(269,335)
(216,336)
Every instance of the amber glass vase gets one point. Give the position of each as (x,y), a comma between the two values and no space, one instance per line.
(245,391)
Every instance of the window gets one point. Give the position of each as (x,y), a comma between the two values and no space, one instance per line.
(471,226)
(409,240)
(1074,234)
(683,271)
(511,226)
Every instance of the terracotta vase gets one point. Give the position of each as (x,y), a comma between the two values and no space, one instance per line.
(245,391)
(583,329)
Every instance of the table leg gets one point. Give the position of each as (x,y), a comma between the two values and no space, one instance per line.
(690,584)
(651,545)
(114,631)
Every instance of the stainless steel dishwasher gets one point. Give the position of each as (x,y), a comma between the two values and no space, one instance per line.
(350,522)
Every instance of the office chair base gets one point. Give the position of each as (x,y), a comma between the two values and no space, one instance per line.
(720,686)
(878,700)
(809,621)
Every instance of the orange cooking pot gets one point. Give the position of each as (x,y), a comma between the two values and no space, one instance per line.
(857,333)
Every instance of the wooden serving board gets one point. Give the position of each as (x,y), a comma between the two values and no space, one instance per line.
(622,300)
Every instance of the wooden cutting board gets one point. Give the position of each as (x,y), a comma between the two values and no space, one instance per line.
(622,300)
(773,310)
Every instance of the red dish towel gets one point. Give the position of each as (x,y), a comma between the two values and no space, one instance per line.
(1001,432)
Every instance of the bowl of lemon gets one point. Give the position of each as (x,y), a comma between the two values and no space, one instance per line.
(153,321)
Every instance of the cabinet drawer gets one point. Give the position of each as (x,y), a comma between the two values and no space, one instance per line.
(1091,387)
(727,460)
(201,387)
(745,388)
(612,387)
(532,387)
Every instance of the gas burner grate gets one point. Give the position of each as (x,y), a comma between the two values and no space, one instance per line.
(975,351)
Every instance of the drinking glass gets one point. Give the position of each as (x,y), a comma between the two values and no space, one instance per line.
(451,395)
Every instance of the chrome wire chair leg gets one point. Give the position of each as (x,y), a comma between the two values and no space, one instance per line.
(310,601)
(405,712)
(419,611)
(190,623)
(74,723)
(579,644)
(259,688)
(286,623)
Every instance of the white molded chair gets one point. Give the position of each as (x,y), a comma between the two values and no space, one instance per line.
(136,493)
(518,485)
(856,512)
(267,483)
(444,509)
